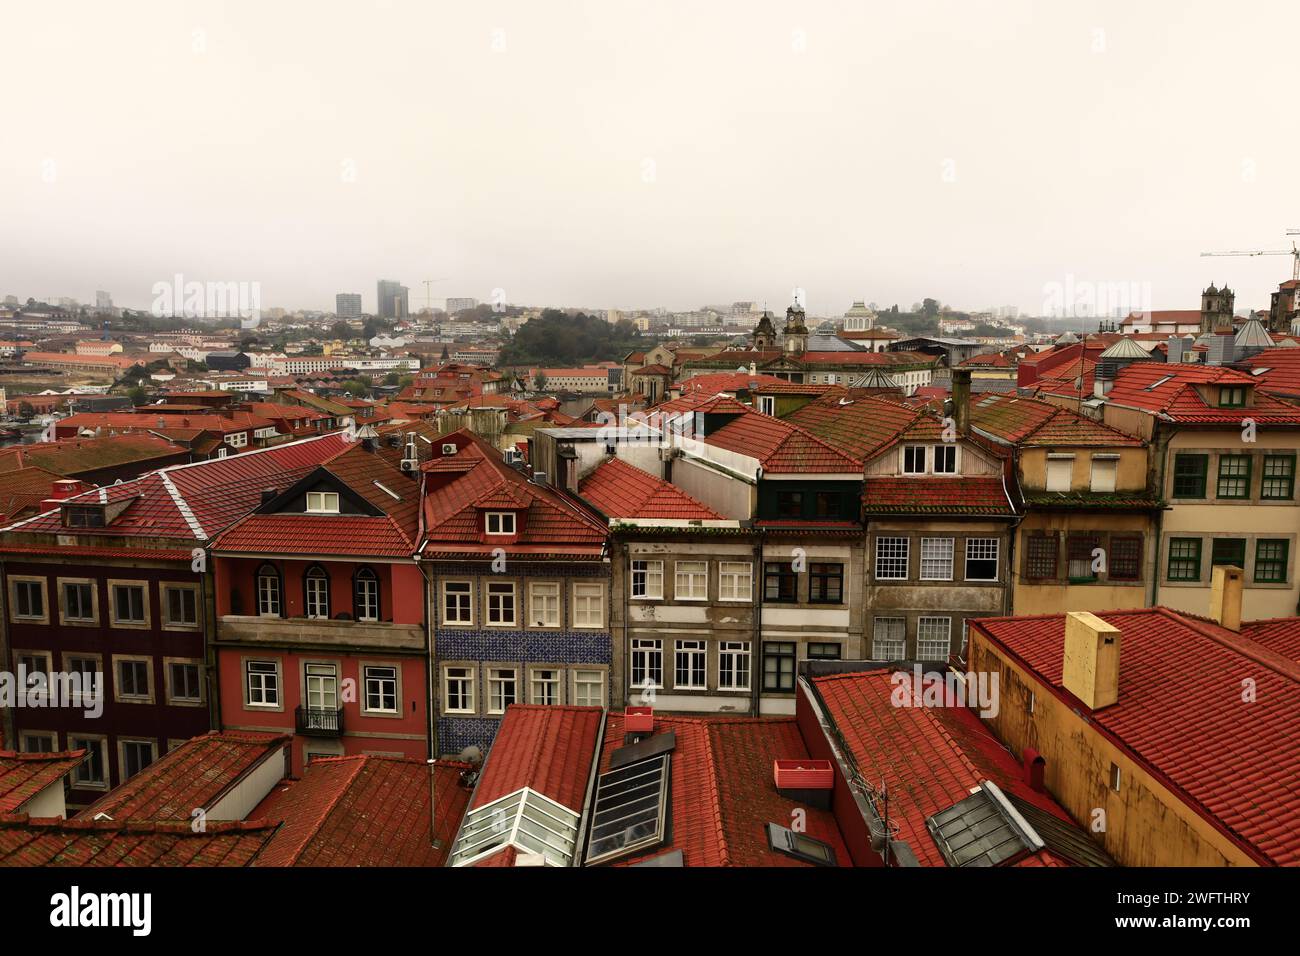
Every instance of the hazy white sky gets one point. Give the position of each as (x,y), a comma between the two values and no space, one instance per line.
(634,154)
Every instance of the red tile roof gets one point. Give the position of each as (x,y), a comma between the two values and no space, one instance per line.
(781,447)
(935,495)
(364,810)
(1030,422)
(620,490)
(1277,371)
(929,757)
(194,775)
(23,490)
(1279,634)
(857,427)
(1171,390)
(37,842)
(23,776)
(547,749)
(731,382)
(75,456)
(1180,714)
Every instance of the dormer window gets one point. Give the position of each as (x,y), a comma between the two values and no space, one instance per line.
(83,516)
(322,502)
(914,460)
(945,459)
(1232,396)
(501,522)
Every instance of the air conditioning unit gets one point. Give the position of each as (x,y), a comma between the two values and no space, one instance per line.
(410,464)
(449,448)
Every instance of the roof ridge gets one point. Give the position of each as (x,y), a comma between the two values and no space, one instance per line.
(1239,643)
(724,851)
(309,832)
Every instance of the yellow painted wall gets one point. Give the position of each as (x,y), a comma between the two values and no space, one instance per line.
(1130,475)
(1029,597)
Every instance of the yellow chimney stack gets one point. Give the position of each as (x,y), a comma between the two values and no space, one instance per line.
(1225,595)
(1090,669)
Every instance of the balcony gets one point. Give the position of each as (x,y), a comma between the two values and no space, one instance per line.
(313,722)
(251,629)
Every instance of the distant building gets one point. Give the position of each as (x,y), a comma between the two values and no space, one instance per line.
(347,305)
(103,302)
(460,304)
(859,318)
(394,300)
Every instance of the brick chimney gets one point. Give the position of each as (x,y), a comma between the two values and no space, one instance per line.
(961,400)
(1225,595)
(1090,669)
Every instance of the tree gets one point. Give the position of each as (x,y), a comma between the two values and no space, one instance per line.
(137,395)
(341,330)
(540,381)
(556,338)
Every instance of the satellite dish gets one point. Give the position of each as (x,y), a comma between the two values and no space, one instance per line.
(471,754)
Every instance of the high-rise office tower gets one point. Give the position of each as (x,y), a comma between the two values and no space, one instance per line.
(394,300)
(347,305)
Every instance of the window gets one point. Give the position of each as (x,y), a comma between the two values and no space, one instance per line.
(543,605)
(828,504)
(689,666)
(381,688)
(891,559)
(981,559)
(1234,477)
(237,440)
(825,583)
(888,638)
(778,665)
(1184,559)
(733,665)
(1270,560)
(588,605)
(501,603)
(735,580)
(767,404)
(78,601)
(914,459)
(28,599)
(322,502)
(1189,475)
(933,638)
(458,690)
(1228,551)
(91,771)
(1232,396)
(501,522)
(1125,562)
(36,666)
(133,679)
(136,755)
(647,663)
(823,651)
(945,459)
(87,669)
(365,595)
(183,682)
(317,584)
(263,680)
(936,559)
(780,583)
(648,580)
(1115,778)
(456,603)
(39,743)
(1104,471)
(1041,557)
(1079,550)
(1060,472)
(789,504)
(180,606)
(322,696)
(1279,478)
(691,581)
(84,516)
(129,604)
(799,846)
(546,685)
(268,591)
(588,688)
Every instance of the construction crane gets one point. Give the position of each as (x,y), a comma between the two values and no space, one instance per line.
(428,300)
(1293,252)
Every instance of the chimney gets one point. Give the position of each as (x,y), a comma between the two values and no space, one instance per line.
(65,488)
(1225,596)
(809,782)
(638,721)
(1090,669)
(961,400)
(1034,767)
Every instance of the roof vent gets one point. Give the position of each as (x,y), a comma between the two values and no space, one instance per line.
(805,781)
(639,720)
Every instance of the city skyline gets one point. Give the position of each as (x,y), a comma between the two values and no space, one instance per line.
(1102,146)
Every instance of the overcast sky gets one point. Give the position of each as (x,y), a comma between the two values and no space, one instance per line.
(635,154)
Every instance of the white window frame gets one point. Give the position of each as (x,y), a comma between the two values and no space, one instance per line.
(64,616)
(555,683)
(237,439)
(88,742)
(277,684)
(932,621)
(496,590)
(975,543)
(647,649)
(114,616)
(318,502)
(1101,464)
(936,559)
(274,591)
(695,654)
(736,581)
(944,451)
(582,678)
(588,605)
(366,678)
(119,694)
(903,550)
(548,592)
(39,583)
(170,684)
(737,653)
(123,743)
(888,646)
(316,591)
(166,590)
(497,677)
(365,593)
(504,521)
(922,450)
(1064,467)
(468,592)
(469,679)
(689,583)
(651,571)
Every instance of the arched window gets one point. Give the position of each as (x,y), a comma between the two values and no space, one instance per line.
(317,584)
(268,591)
(365,598)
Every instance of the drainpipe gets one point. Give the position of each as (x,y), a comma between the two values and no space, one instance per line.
(756,649)
(1162,446)
(625,679)
(208,628)
(7,741)
(430,610)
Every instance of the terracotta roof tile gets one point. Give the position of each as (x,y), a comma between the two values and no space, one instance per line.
(34,842)
(620,490)
(23,776)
